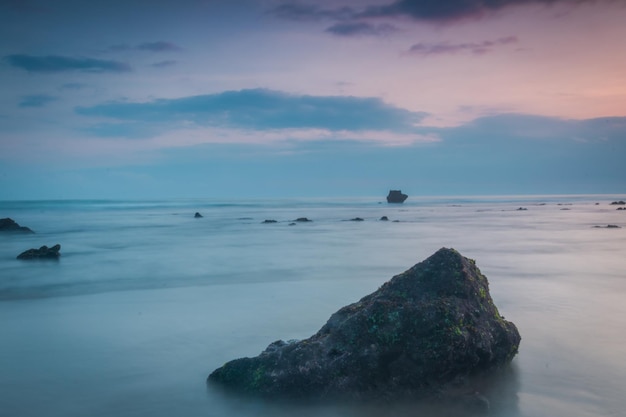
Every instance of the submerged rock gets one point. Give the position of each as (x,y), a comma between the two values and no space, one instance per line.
(43,252)
(421,334)
(9,225)
(396,196)
(303,220)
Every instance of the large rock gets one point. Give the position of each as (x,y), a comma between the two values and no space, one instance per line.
(9,225)
(396,196)
(424,333)
(43,252)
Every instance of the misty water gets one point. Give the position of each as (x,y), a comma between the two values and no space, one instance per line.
(147,300)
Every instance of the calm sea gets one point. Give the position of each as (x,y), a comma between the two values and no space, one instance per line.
(147,300)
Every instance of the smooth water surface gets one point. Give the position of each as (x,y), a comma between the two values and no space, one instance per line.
(146,300)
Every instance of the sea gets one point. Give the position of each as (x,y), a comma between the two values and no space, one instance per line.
(146,300)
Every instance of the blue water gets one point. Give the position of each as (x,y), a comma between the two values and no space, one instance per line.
(147,300)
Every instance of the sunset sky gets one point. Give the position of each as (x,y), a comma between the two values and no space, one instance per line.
(264,98)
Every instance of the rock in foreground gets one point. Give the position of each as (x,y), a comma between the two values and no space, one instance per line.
(423,333)
(43,252)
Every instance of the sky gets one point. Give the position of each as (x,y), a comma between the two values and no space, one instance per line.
(284,98)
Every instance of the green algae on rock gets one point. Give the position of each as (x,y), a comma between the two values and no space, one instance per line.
(422,333)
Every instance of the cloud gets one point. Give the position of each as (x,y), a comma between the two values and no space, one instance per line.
(163,64)
(56,63)
(421,10)
(36,100)
(449,10)
(476,48)
(72,86)
(160,46)
(361,29)
(156,47)
(307,12)
(261,109)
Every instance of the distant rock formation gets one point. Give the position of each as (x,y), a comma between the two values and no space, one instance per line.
(396,196)
(302,220)
(197,215)
(608,226)
(422,334)
(9,225)
(384,218)
(43,252)
(620,203)
(269,221)
(357,219)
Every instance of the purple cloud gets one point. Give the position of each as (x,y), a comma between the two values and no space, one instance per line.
(476,48)
(423,10)
(450,10)
(304,12)
(361,29)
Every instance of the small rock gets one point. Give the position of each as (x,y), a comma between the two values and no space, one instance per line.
(620,203)
(356,219)
(43,252)
(396,196)
(303,220)
(384,218)
(269,221)
(9,225)
(197,215)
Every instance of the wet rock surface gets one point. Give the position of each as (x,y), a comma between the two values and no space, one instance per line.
(426,333)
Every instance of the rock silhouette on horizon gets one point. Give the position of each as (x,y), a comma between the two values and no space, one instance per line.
(9,225)
(422,334)
(396,196)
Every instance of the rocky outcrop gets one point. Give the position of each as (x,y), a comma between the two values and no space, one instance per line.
(197,215)
(396,196)
(422,334)
(43,252)
(618,203)
(9,225)
(303,220)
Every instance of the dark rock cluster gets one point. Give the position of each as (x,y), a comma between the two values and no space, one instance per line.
(420,335)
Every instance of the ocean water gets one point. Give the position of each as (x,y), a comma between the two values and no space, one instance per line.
(147,300)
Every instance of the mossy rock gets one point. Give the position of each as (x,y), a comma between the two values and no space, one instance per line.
(429,328)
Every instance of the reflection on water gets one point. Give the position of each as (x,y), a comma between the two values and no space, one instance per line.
(498,396)
(146,301)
